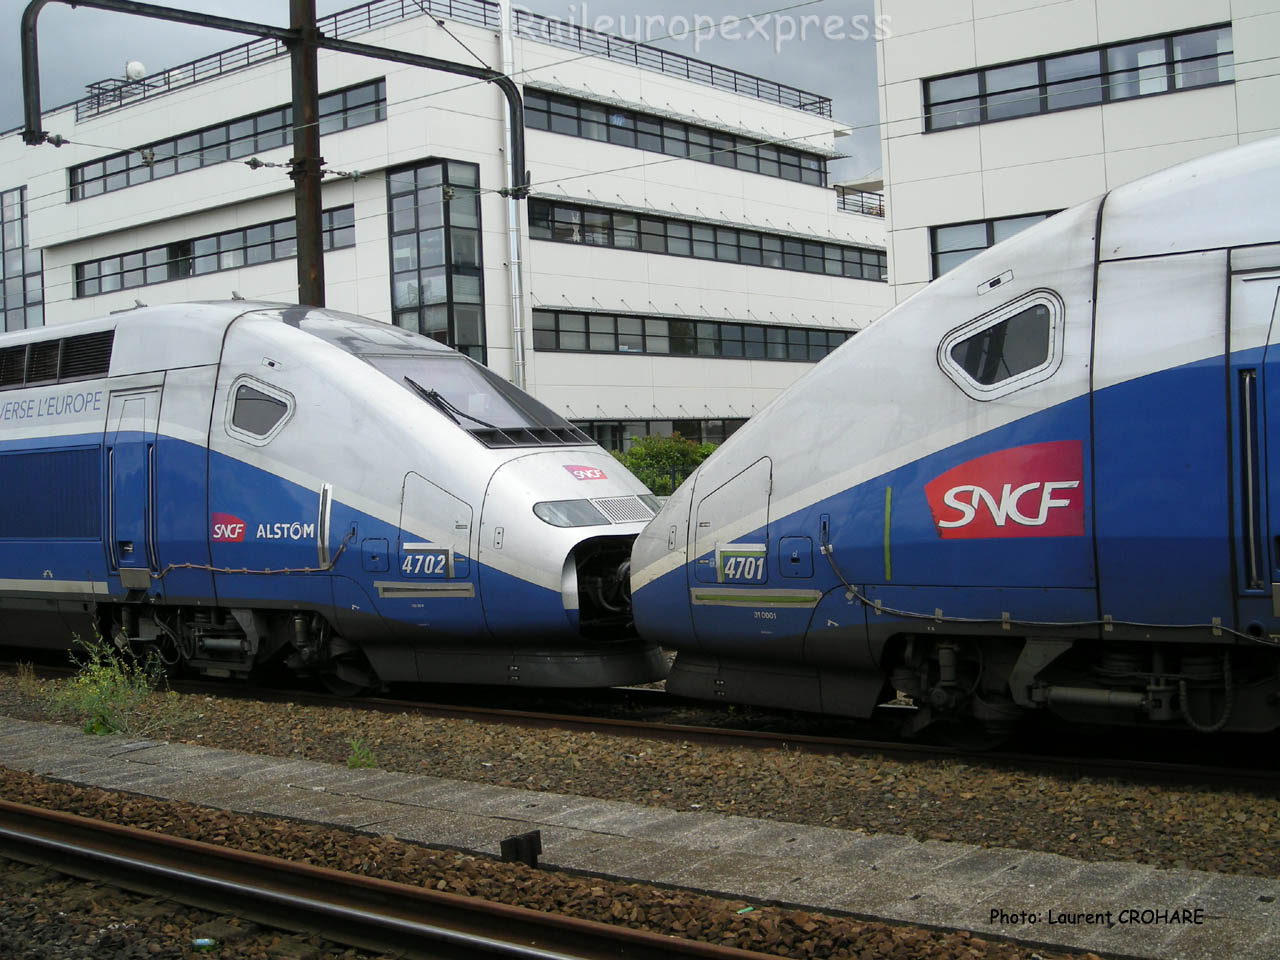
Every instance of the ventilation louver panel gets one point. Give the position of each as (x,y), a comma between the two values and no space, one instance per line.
(13,366)
(623,509)
(56,361)
(86,356)
(42,361)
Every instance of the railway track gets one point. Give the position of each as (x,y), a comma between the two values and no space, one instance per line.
(1125,758)
(1126,766)
(342,907)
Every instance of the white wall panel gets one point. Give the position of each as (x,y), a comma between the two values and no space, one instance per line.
(1051,136)
(920,16)
(940,200)
(1123,20)
(942,154)
(1126,165)
(929,52)
(1032,30)
(1033,187)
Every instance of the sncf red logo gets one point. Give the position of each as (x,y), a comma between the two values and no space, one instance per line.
(226,528)
(1031,491)
(585,473)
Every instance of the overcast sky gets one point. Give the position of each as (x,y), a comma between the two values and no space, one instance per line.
(823,46)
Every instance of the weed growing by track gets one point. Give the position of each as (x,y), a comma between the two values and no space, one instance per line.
(29,685)
(113,692)
(360,757)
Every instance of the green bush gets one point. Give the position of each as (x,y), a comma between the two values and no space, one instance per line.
(662,463)
(112,692)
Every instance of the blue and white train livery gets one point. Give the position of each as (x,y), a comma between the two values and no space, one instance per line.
(1043,482)
(239,483)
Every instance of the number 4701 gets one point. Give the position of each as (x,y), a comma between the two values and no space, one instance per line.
(424,564)
(743,568)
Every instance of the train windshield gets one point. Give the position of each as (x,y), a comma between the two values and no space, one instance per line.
(478,400)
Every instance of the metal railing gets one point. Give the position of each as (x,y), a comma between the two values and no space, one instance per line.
(860,201)
(533,26)
(111,94)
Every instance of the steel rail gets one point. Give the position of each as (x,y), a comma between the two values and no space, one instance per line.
(343,907)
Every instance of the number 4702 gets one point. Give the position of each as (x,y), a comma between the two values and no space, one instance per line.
(424,564)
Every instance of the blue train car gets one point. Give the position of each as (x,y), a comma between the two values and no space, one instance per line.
(1044,482)
(237,483)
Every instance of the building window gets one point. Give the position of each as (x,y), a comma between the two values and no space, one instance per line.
(231,250)
(574,331)
(621,434)
(595,121)
(437,285)
(233,140)
(955,243)
(21,269)
(571,223)
(1118,71)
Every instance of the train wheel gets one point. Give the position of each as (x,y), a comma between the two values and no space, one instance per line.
(968,734)
(347,671)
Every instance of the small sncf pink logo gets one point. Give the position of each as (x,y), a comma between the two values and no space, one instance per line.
(585,473)
(226,528)
(1031,491)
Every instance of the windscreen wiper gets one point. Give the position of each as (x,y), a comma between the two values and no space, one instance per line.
(436,398)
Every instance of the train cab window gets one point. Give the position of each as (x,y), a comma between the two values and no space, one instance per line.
(1011,347)
(257,412)
(1007,349)
(478,400)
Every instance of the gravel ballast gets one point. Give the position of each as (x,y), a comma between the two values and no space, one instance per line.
(789,933)
(1203,827)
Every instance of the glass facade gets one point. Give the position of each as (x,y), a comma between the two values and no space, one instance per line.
(579,332)
(233,140)
(574,223)
(1118,71)
(262,243)
(21,269)
(437,283)
(576,117)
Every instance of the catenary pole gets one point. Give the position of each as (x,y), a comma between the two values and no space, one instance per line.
(306,165)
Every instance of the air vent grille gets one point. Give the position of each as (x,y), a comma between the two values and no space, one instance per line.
(623,509)
(56,361)
(88,355)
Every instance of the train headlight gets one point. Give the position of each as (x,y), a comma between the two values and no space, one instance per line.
(569,513)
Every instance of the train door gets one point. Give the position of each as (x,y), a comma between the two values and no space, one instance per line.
(1160,421)
(1255,387)
(741,606)
(130,442)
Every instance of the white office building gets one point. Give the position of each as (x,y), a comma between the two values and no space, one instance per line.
(997,114)
(684,256)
